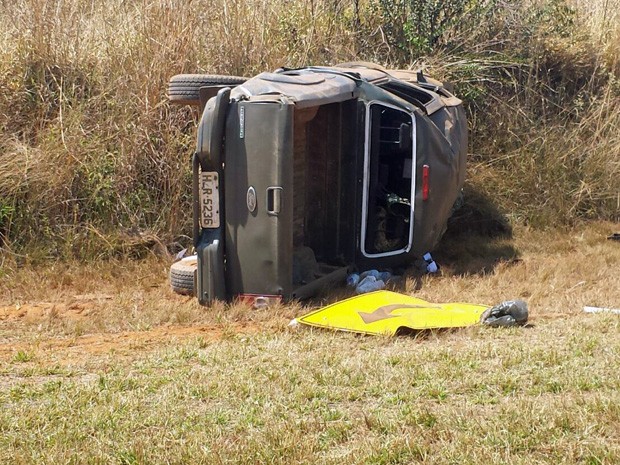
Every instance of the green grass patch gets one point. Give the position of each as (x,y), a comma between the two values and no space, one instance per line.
(319,397)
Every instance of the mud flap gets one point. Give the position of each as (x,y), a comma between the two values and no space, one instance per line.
(210,277)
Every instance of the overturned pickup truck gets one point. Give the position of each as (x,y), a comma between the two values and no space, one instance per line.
(301,175)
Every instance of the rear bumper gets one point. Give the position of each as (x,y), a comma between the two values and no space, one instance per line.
(209,242)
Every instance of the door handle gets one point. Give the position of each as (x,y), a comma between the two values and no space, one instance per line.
(274,200)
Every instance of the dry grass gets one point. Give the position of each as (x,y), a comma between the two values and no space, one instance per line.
(556,174)
(603,20)
(114,368)
(557,272)
(91,153)
(90,149)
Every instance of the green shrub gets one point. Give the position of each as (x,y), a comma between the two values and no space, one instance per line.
(418,27)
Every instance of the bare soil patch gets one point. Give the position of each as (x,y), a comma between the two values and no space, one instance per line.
(123,344)
(69,312)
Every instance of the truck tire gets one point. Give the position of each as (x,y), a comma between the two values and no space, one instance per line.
(184,89)
(182,275)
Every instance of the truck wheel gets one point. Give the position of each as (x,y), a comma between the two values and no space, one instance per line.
(184,89)
(182,275)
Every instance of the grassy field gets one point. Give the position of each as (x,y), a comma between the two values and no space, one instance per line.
(101,363)
(104,364)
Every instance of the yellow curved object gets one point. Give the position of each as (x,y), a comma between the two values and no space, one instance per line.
(385,312)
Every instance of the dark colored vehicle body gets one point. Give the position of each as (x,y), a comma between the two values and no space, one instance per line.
(302,175)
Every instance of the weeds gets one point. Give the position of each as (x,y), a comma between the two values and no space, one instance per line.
(23,356)
(91,154)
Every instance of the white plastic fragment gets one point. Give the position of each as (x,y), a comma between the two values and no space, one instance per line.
(615,311)
(180,255)
(190,259)
(369,284)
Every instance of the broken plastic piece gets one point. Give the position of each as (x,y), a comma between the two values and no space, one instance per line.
(369,284)
(353,279)
(615,311)
(368,281)
(374,273)
(180,255)
(431,266)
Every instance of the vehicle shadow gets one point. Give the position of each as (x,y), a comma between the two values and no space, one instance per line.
(478,238)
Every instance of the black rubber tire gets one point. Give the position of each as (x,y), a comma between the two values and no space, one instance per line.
(184,89)
(182,277)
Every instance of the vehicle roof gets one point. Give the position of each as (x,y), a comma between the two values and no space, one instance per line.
(305,87)
(313,86)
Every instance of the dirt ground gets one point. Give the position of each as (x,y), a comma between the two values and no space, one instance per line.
(33,317)
(68,312)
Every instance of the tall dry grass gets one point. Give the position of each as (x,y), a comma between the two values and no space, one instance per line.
(90,150)
(543,101)
(92,156)
(602,19)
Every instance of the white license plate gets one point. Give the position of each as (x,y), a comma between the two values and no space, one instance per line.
(209,200)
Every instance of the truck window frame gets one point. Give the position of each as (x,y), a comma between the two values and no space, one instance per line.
(366,181)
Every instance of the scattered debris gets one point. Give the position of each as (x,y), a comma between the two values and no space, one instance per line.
(369,284)
(431,266)
(614,237)
(615,311)
(369,281)
(508,313)
(353,280)
(427,264)
(385,313)
(180,255)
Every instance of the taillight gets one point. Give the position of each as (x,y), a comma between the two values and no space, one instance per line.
(425,176)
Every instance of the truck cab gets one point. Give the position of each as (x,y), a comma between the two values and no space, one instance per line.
(302,175)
